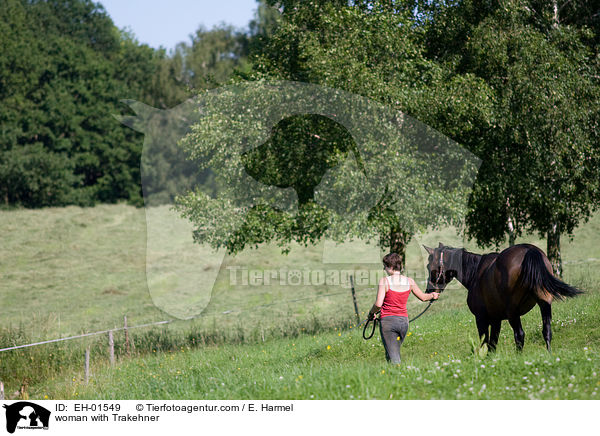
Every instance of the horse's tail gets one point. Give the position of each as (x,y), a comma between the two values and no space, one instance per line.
(535,276)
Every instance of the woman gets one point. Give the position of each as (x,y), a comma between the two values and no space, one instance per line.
(392,296)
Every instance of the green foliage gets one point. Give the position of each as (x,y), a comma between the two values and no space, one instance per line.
(64,69)
(369,52)
(31,175)
(211,56)
(536,127)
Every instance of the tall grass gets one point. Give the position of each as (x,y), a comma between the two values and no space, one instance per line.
(68,271)
(28,367)
(438,363)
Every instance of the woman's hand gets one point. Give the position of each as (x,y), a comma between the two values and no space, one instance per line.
(434,295)
(374,311)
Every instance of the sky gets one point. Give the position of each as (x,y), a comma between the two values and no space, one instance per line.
(168,22)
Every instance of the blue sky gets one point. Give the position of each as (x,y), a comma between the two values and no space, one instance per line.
(167,22)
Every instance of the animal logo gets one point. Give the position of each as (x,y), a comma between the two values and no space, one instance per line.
(393,155)
(24,414)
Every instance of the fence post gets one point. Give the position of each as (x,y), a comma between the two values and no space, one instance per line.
(126,335)
(87,366)
(1,391)
(111,348)
(354,300)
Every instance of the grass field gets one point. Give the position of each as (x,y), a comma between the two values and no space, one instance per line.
(70,270)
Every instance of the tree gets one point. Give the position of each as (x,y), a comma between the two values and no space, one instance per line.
(64,69)
(371,54)
(540,153)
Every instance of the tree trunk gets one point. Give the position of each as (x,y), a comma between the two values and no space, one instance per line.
(512,234)
(398,241)
(512,231)
(555,16)
(553,250)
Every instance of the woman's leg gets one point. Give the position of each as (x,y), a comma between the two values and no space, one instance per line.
(383,337)
(393,331)
(402,330)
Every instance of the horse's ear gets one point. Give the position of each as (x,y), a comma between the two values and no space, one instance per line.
(429,250)
(144,114)
(441,245)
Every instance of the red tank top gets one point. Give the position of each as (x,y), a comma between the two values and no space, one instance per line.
(394,303)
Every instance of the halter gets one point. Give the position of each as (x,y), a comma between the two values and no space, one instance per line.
(442,272)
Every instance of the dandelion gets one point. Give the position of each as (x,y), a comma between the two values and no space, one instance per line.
(329,347)
(382,371)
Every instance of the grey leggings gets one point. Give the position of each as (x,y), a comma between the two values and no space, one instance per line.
(393,331)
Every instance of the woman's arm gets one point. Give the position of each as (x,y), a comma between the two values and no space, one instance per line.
(420,294)
(379,300)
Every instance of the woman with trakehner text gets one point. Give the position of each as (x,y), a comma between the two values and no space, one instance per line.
(392,296)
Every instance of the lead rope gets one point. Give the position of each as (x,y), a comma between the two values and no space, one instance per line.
(375,321)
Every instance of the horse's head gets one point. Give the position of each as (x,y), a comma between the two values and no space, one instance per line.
(442,267)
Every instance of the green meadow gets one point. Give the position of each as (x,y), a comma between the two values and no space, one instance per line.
(67,271)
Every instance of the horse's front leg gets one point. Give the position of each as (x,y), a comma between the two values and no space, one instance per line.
(483,327)
(515,323)
(494,334)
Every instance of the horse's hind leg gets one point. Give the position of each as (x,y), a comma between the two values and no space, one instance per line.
(494,334)
(546,310)
(515,323)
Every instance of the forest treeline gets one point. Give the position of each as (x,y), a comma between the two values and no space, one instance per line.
(64,70)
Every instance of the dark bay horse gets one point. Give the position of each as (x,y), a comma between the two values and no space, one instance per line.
(500,286)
